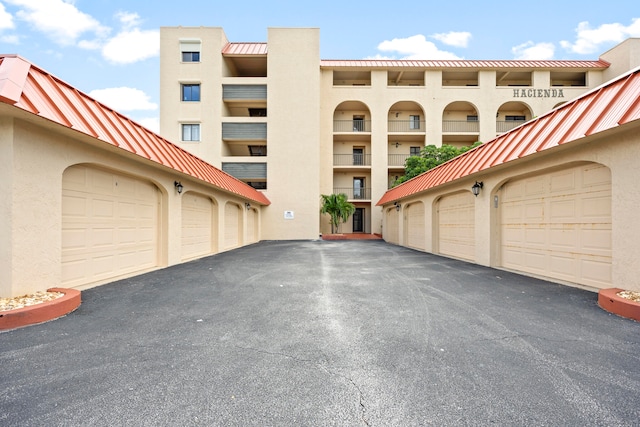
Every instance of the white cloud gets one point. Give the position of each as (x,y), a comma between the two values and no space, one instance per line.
(10,39)
(124,99)
(131,46)
(590,40)
(454,38)
(6,20)
(129,19)
(530,50)
(151,123)
(415,47)
(58,19)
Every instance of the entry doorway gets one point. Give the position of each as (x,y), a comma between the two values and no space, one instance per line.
(358,220)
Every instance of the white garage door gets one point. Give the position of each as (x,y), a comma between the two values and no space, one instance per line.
(109,225)
(415,230)
(392,232)
(559,225)
(232,225)
(456,226)
(197,215)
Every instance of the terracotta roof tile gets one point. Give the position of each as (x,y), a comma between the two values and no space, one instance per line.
(32,89)
(606,107)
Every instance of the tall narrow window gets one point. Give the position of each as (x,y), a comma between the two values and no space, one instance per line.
(190,132)
(414,122)
(358,123)
(358,156)
(191,92)
(358,188)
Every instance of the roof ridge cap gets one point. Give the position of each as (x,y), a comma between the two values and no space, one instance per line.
(13,74)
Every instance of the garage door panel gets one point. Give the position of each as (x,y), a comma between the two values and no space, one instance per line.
(197,217)
(391,234)
(595,271)
(415,226)
(562,182)
(562,210)
(456,225)
(565,230)
(106,215)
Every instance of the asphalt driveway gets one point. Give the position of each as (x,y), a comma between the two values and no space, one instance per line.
(320,333)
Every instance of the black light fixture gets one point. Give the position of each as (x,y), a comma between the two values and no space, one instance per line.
(475,189)
(178,186)
(398,205)
(397,143)
(247,205)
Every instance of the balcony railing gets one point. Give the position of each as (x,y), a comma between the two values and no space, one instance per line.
(406,126)
(352,125)
(352,159)
(354,193)
(397,159)
(506,126)
(460,126)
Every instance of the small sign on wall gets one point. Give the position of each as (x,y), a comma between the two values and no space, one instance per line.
(288,215)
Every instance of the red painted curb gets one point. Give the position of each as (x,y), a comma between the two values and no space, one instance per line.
(42,312)
(609,300)
(334,237)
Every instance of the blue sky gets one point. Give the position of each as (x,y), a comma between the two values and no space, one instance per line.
(109,48)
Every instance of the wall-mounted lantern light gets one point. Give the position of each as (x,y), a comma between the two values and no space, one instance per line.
(178,186)
(475,189)
(247,205)
(397,205)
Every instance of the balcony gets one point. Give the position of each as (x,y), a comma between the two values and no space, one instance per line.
(397,159)
(407,126)
(352,125)
(244,92)
(352,159)
(506,126)
(244,131)
(355,193)
(460,126)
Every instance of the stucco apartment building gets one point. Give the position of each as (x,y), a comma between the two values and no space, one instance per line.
(295,126)
(91,196)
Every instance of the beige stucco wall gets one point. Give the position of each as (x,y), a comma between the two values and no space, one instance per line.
(207,73)
(616,149)
(35,155)
(293,171)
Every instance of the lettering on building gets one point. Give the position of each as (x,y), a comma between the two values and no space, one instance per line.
(538,93)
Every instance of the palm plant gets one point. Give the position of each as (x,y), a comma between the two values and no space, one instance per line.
(338,208)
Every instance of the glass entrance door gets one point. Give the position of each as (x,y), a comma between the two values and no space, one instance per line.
(358,220)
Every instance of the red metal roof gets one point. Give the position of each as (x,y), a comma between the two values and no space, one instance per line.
(32,89)
(245,49)
(471,64)
(608,106)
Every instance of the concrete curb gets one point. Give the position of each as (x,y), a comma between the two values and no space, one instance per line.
(42,312)
(609,300)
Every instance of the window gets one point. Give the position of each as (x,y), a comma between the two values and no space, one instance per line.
(191,132)
(514,118)
(257,112)
(414,151)
(191,92)
(190,56)
(258,150)
(472,118)
(358,156)
(414,122)
(258,185)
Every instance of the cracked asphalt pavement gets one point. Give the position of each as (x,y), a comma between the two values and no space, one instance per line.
(325,333)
